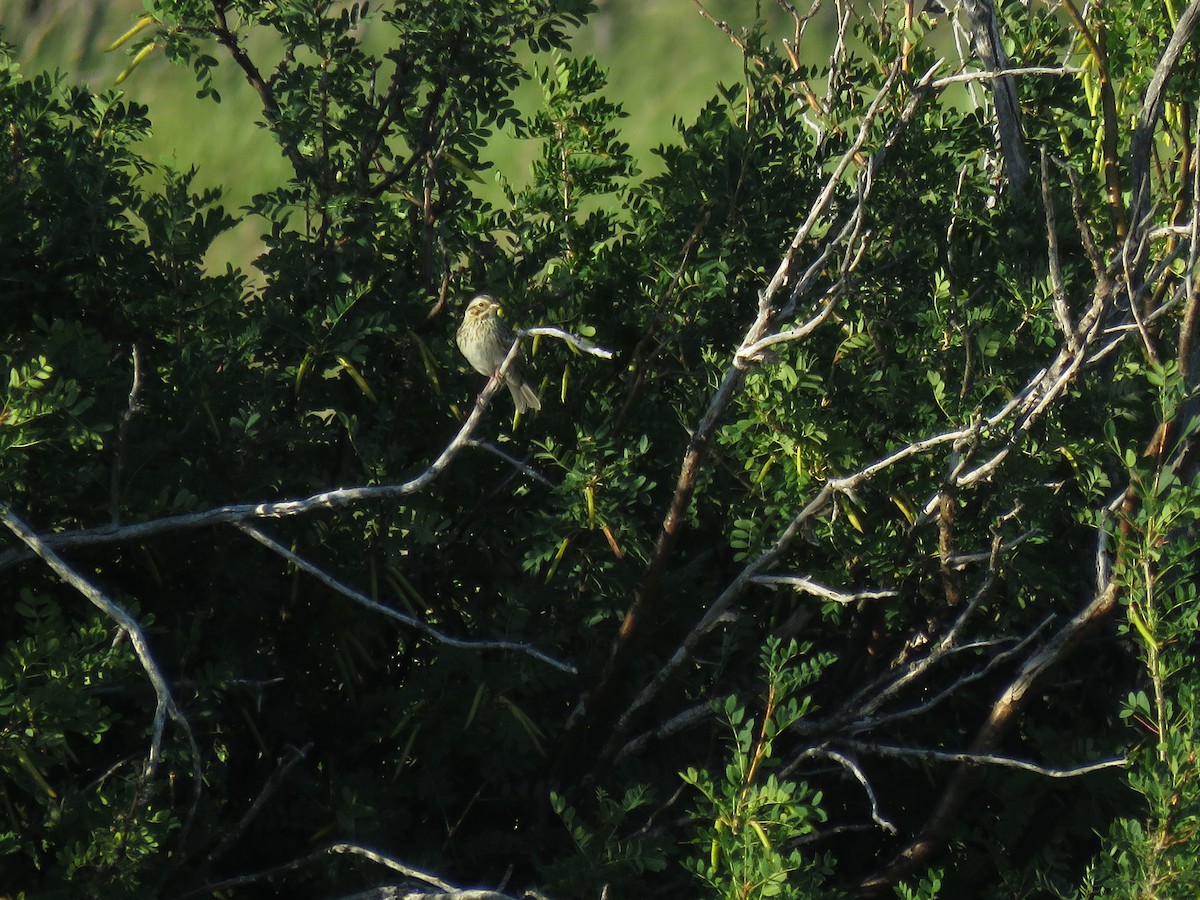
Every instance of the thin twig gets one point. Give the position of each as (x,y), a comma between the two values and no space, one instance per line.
(804,585)
(338,849)
(363,600)
(165,704)
(282,769)
(334,499)
(983,759)
(852,767)
(132,407)
(523,468)
(962,77)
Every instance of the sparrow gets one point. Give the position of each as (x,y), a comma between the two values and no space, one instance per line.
(485,341)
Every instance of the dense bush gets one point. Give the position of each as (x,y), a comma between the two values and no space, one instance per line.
(866,563)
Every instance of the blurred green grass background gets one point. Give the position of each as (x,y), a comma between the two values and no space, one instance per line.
(664,61)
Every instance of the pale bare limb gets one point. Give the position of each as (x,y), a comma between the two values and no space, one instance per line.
(165,705)
(962,77)
(679,722)
(336,849)
(1151,112)
(803,585)
(982,759)
(766,321)
(1001,715)
(574,340)
(416,624)
(279,509)
(852,767)
(860,723)
(989,48)
(294,757)
(1027,405)
(1062,312)
(874,697)
(332,499)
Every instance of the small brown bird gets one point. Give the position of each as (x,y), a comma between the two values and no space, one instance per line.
(485,340)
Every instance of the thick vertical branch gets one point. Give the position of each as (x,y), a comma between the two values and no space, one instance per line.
(946,552)
(1151,112)
(985,37)
(1006,709)
(771,310)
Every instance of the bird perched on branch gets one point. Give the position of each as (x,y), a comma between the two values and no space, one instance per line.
(485,341)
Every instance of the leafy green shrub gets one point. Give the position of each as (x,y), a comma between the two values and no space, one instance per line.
(869,394)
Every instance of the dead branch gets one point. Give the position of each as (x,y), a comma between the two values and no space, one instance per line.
(804,585)
(852,767)
(132,407)
(1003,714)
(335,849)
(416,624)
(334,499)
(165,705)
(763,329)
(1062,313)
(1148,118)
(985,37)
(524,468)
(689,718)
(964,77)
(983,759)
(283,767)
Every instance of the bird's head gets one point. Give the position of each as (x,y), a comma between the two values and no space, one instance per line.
(481,307)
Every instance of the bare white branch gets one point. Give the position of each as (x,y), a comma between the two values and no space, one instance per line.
(523,468)
(961,77)
(689,718)
(852,767)
(363,600)
(754,351)
(332,499)
(573,340)
(983,759)
(336,849)
(804,585)
(1062,312)
(164,702)
(870,722)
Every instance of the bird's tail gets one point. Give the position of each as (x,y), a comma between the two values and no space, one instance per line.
(523,395)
